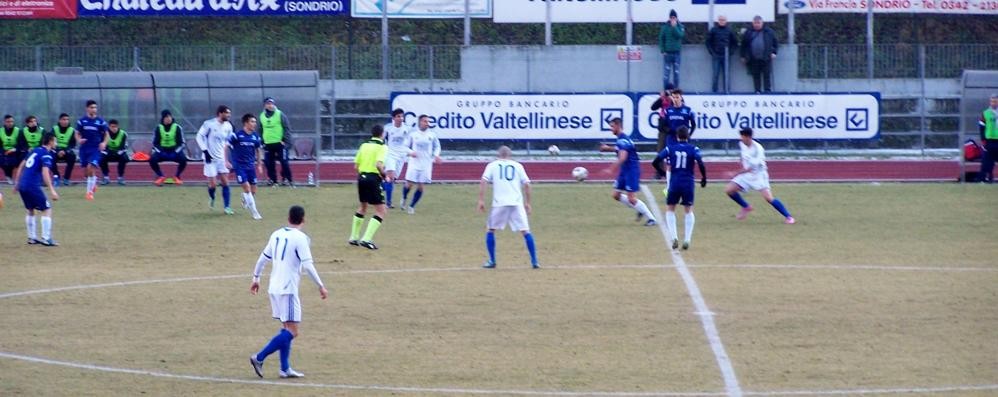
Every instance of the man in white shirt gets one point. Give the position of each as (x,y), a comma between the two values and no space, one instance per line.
(212,138)
(288,248)
(426,146)
(753,176)
(399,150)
(510,203)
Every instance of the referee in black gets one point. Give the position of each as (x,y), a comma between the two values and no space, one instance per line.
(370,166)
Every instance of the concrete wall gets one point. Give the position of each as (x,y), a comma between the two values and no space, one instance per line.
(594,68)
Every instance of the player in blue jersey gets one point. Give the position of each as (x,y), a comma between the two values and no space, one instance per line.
(92,136)
(35,170)
(628,170)
(245,145)
(681,157)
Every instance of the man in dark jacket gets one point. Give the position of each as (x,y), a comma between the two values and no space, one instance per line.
(721,41)
(168,144)
(758,51)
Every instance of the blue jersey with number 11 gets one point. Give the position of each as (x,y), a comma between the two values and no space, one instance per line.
(681,157)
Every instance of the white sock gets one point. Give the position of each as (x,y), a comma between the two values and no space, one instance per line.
(91,182)
(252,202)
(643,209)
(29,221)
(46,227)
(668,176)
(670,221)
(690,220)
(623,199)
(246,198)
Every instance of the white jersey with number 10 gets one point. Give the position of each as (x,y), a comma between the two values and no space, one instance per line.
(507,178)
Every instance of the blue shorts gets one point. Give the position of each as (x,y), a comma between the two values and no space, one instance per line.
(245,175)
(680,193)
(628,182)
(34,199)
(90,157)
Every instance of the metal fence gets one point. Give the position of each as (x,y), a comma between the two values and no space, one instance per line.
(850,61)
(349,62)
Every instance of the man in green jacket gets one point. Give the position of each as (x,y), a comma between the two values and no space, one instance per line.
(670,43)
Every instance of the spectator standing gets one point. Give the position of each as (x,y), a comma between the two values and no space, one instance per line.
(276,133)
(989,138)
(721,41)
(759,48)
(168,145)
(670,44)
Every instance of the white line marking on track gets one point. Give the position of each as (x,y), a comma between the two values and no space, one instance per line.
(706,317)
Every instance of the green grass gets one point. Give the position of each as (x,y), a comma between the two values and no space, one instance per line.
(586,322)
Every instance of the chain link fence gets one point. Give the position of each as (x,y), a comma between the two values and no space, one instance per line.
(850,61)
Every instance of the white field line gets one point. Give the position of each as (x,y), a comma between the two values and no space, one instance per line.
(706,316)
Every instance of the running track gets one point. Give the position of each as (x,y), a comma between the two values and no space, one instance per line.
(560,171)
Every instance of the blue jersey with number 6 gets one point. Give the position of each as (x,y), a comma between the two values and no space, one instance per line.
(31,176)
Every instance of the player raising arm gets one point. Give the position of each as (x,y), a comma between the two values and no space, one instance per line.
(288,248)
(628,170)
(754,176)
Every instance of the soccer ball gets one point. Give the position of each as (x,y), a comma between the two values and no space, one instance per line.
(580,173)
(553,149)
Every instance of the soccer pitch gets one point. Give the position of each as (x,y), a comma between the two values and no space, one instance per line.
(883,289)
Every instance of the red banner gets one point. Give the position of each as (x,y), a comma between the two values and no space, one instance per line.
(38,9)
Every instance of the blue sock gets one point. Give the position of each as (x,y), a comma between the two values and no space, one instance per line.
(274,345)
(490,244)
(286,352)
(211,193)
(388,186)
(415,198)
(226,195)
(738,199)
(779,207)
(529,239)
(405,194)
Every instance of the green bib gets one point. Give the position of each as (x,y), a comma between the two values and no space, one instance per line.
(990,124)
(9,140)
(271,127)
(34,138)
(168,138)
(116,143)
(62,138)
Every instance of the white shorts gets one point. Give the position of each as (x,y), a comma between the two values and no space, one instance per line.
(286,307)
(214,168)
(394,162)
(752,180)
(513,215)
(419,176)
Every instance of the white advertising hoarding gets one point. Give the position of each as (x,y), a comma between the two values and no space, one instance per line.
(534,11)
(893,6)
(421,8)
(774,116)
(518,116)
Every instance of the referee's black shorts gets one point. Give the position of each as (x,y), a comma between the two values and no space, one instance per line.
(369,189)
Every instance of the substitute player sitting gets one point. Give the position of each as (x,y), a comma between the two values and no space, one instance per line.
(628,170)
(288,248)
(245,145)
(753,176)
(510,203)
(680,157)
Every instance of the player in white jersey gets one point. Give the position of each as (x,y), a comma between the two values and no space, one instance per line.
(426,145)
(510,203)
(753,176)
(399,150)
(212,138)
(288,248)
